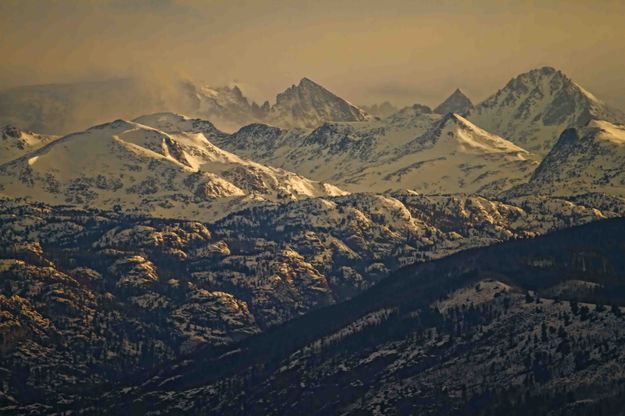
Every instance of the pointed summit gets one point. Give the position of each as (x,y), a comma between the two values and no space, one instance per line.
(308,83)
(457,131)
(308,104)
(457,102)
(536,106)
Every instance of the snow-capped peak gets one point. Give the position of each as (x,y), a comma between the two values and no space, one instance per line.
(452,156)
(458,132)
(535,107)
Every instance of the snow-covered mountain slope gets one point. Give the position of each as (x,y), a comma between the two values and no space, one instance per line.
(145,170)
(332,150)
(452,156)
(585,159)
(457,103)
(15,142)
(412,149)
(534,108)
(172,123)
(308,104)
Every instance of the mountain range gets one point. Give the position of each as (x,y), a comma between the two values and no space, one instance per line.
(422,151)
(309,256)
(170,165)
(65,108)
(127,164)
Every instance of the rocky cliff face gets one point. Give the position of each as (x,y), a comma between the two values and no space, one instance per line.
(457,103)
(308,104)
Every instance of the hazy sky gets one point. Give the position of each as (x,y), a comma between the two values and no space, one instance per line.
(365,50)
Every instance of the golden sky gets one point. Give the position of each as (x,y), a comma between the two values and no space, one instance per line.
(405,51)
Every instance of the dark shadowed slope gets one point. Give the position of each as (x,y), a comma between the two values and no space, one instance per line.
(477,332)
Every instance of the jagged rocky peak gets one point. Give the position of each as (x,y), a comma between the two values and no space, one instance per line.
(308,104)
(237,91)
(226,107)
(565,95)
(304,87)
(536,106)
(457,102)
(534,76)
(293,89)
